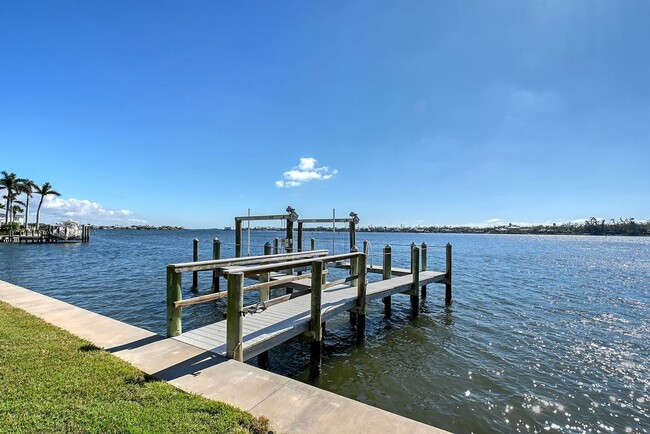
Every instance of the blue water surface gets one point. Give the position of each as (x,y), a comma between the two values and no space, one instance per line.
(545,333)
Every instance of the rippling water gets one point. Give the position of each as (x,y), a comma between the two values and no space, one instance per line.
(545,333)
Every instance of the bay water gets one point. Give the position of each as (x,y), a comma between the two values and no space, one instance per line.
(545,333)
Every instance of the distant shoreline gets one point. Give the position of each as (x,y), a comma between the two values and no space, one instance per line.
(622,228)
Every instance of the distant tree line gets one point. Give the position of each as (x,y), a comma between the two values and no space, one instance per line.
(592,226)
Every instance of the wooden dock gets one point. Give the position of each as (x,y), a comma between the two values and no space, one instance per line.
(281,322)
(311,300)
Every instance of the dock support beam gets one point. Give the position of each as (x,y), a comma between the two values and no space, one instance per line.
(316,346)
(276,246)
(415,271)
(387,274)
(216,254)
(174,293)
(195,258)
(423,254)
(235,319)
(361,298)
(448,274)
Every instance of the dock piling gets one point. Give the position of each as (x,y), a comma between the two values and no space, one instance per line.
(448,274)
(300,236)
(361,297)
(316,346)
(276,246)
(195,258)
(235,319)
(216,254)
(264,295)
(387,274)
(174,293)
(415,271)
(354,271)
(423,254)
(313,243)
(238,237)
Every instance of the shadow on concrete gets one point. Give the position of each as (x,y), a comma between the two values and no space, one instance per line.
(135,344)
(191,366)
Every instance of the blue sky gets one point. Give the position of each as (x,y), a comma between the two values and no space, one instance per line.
(430,113)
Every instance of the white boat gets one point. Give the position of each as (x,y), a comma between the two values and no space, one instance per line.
(67,230)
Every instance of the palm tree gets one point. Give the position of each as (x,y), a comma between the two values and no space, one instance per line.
(45,190)
(15,210)
(10,182)
(27,187)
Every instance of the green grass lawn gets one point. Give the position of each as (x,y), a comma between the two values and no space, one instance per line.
(52,381)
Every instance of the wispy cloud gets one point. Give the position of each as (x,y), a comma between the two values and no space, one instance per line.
(85,210)
(306,170)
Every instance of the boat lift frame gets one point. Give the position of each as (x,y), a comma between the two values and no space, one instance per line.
(291,217)
(353,221)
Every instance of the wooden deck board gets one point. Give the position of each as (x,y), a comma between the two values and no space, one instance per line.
(278,323)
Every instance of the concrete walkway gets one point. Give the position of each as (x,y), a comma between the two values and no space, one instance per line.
(291,406)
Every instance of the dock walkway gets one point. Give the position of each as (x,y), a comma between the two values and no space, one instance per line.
(281,322)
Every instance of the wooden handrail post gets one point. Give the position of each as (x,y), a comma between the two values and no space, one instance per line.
(448,274)
(300,236)
(415,272)
(235,318)
(423,254)
(238,236)
(195,258)
(276,246)
(361,298)
(216,254)
(387,274)
(174,293)
(316,347)
(313,243)
(354,271)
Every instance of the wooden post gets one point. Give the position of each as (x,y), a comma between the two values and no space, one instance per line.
(415,271)
(276,246)
(313,243)
(424,248)
(361,298)
(387,274)
(316,346)
(235,319)
(238,236)
(216,254)
(353,235)
(195,258)
(300,236)
(448,274)
(174,293)
(354,270)
(289,248)
(264,295)
(265,277)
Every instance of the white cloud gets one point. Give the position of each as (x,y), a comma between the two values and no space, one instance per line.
(85,211)
(307,170)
